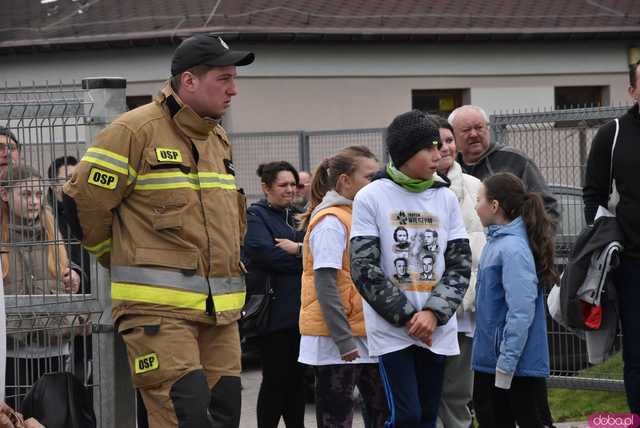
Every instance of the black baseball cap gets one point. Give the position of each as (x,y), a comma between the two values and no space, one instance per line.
(207,49)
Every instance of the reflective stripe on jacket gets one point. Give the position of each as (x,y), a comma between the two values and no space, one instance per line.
(157,201)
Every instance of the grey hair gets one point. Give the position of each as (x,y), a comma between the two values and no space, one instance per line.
(454,113)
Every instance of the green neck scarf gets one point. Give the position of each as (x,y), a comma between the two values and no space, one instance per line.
(410,184)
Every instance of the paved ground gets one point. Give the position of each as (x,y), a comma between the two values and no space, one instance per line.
(251,384)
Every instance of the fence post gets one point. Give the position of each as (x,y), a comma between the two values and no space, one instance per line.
(582,144)
(304,152)
(115,402)
(385,152)
(497,132)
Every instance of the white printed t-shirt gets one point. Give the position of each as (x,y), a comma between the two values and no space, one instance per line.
(414,229)
(328,241)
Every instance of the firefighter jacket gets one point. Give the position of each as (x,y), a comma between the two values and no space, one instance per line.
(157,202)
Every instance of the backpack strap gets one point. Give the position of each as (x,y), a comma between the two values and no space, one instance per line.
(613,148)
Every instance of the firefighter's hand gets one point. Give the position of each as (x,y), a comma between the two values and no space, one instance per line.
(71,281)
(287,245)
(422,326)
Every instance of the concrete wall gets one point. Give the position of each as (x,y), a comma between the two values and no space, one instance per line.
(272,104)
(354,86)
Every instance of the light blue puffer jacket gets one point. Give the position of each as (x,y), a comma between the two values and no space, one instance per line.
(510,316)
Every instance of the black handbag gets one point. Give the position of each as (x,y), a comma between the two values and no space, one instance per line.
(254,318)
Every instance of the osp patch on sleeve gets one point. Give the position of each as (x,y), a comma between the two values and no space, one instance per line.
(147,363)
(103,179)
(168,155)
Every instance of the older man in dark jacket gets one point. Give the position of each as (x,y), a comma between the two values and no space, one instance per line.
(481,158)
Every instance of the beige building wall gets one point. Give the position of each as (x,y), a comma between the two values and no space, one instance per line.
(290,103)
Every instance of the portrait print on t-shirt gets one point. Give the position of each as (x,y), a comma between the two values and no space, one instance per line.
(401,265)
(429,240)
(428,261)
(401,237)
(415,266)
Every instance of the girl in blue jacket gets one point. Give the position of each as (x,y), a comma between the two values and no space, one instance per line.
(510,349)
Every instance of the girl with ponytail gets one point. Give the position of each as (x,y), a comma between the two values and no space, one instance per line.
(331,318)
(510,349)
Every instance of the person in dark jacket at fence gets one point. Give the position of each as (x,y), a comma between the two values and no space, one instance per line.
(481,158)
(273,249)
(626,159)
(60,170)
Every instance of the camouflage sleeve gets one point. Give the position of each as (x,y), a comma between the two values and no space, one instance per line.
(448,294)
(383,296)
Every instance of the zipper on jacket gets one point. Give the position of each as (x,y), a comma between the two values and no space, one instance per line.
(209,302)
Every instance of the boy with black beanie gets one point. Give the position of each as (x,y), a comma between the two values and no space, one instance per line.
(410,324)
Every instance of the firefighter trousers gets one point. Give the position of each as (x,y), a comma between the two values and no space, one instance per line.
(187,372)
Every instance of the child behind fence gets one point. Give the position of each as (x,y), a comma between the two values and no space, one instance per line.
(34,263)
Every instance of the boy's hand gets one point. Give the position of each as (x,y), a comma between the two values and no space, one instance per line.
(422,325)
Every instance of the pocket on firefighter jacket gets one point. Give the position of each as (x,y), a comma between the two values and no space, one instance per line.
(168,209)
(167,221)
(158,349)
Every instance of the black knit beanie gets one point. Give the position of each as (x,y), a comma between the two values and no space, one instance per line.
(409,133)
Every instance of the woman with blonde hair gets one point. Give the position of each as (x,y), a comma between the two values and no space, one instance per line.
(34,263)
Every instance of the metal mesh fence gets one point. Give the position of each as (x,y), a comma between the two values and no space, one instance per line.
(559,143)
(304,150)
(250,150)
(48,293)
(325,143)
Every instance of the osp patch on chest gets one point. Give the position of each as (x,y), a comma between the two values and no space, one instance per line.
(168,155)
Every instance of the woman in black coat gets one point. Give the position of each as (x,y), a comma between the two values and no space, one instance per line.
(273,250)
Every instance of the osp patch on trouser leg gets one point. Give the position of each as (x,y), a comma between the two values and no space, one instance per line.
(190,397)
(226,402)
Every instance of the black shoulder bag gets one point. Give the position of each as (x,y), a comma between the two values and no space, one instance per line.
(254,318)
